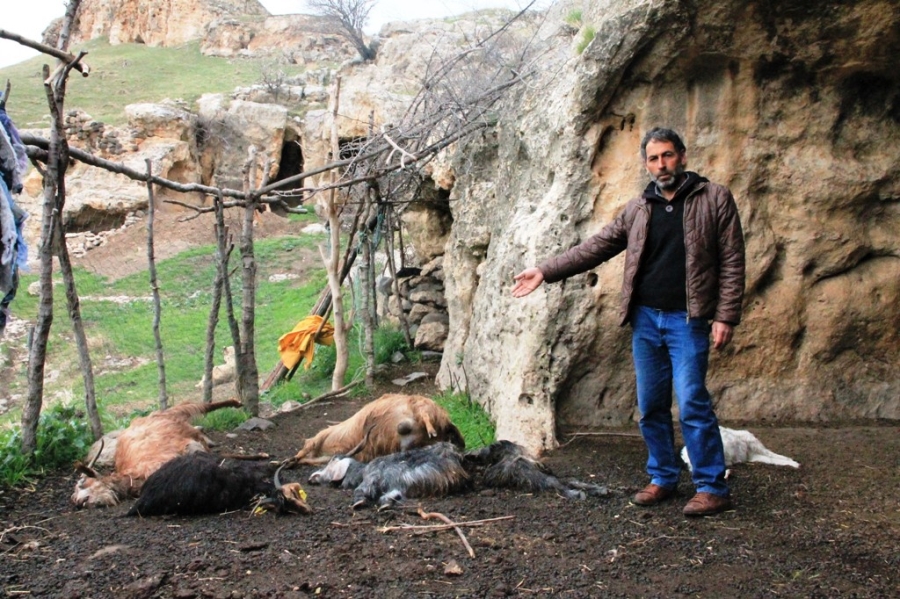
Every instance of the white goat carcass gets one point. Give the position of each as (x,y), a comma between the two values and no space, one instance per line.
(147,443)
(221,373)
(391,423)
(442,469)
(743,446)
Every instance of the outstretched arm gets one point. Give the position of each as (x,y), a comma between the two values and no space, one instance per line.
(527,281)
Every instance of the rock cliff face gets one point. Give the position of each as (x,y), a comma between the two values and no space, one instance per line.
(795,106)
(226,28)
(155,22)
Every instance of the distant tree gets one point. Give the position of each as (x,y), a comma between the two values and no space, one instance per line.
(349,17)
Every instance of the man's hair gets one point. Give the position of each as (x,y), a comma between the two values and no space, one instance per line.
(661,134)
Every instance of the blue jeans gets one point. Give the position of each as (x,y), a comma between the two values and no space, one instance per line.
(669,349)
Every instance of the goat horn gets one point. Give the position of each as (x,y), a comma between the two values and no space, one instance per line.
(277,479)
(361,444)
(96,457)
(86,470)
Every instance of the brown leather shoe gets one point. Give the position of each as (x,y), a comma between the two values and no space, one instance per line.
(652,494)
(707,504)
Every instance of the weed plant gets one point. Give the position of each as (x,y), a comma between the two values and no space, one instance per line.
(63,436)
(469,417)
(574,18)
(587,36)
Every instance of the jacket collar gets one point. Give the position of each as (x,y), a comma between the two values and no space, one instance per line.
(691,182)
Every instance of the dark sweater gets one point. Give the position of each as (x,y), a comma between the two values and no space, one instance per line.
(661,281)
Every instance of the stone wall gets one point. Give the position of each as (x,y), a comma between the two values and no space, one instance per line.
(423,305)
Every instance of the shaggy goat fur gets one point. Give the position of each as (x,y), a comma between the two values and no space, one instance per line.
(202,483)
(743,446)
(393,423)
(147,443)
(509,466)
(441,469)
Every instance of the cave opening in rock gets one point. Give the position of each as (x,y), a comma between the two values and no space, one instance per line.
(291,164)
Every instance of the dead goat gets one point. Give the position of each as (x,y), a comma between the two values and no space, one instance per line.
(147,443)
(509,466)
(442,469)
(202,483)
(743,446)
(391,423)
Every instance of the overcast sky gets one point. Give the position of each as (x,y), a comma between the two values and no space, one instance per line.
(30,18)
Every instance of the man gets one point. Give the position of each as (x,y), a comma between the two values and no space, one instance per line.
(684,268)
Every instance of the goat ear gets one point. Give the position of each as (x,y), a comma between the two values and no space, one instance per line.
(339,472)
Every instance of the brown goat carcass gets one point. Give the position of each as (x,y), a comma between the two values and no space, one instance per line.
(391,423)
(147,443)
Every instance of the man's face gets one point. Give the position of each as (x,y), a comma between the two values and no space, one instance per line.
(664,164)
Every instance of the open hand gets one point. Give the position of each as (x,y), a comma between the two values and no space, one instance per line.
(527,281)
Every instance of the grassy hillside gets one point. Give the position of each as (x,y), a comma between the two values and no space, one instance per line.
(126,74)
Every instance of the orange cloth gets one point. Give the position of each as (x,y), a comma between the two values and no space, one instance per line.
(298,344)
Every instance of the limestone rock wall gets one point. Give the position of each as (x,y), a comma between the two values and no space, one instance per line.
(795,106)
(154,22)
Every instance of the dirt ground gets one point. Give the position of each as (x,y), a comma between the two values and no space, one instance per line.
(829,529)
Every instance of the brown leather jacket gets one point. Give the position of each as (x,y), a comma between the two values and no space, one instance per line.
(714,245)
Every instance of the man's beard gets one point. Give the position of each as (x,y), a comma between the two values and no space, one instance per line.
(674,181)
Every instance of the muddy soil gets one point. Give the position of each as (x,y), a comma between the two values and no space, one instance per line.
(829,529)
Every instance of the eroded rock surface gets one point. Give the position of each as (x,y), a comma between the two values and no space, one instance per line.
(796,108)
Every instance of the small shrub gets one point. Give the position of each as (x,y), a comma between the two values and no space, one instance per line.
(587,36)
(14,465)
(388,340)
(574,18)
(322,364)
(469,417)
(63,437)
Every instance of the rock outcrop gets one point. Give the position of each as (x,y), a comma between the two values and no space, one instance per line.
(795,106)
(225,28)
(152,22)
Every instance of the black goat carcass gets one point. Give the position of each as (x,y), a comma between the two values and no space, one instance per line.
(202,483)
(441,469)
(507,465)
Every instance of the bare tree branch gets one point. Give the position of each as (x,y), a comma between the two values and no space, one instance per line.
(83,68)
(349,18)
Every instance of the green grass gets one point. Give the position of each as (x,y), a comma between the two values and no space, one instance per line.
(469,417)
(225,419)
(574,18)
(127,74)
(587,36)
(124,331)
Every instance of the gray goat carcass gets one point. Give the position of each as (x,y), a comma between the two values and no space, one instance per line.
(442,469)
